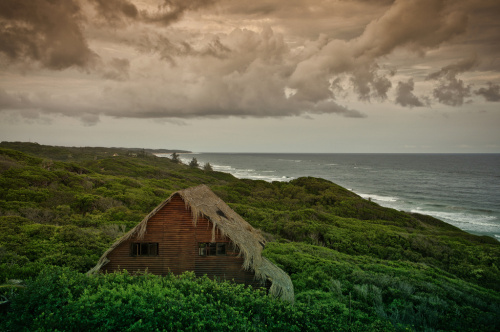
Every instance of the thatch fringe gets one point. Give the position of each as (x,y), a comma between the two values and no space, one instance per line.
(203,202)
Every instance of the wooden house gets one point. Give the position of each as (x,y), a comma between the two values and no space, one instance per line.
(194,230)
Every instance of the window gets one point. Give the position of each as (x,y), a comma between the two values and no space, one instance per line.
(212,249)
(144,249)
(221,249)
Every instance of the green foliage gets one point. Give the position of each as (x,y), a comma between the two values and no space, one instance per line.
(86,203)
(355,265)
(78,153)
(194,163)
(316,211)
(406,294)
(175,158)
(61,299)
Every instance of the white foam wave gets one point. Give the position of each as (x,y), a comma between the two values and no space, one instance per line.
(461,217)
(379,198)
(222,167)
(251,173)
(291,160)
(268,178)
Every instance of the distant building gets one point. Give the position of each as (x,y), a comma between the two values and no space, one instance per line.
(194,230)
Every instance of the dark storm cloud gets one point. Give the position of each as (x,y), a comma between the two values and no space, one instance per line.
(330,107)
(172,10)
(452,70)
(115,11)
(170,51)
(34,106)
(89,119)
(51,32)
(368,83)
(431,23)
(246,79)
(117,69)
(492,93)
(249,83)
(237,58)
(405,96)
(450,90)
(45,31)
(13,101)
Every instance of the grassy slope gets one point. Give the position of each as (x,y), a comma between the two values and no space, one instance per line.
(76,153)
(339,249)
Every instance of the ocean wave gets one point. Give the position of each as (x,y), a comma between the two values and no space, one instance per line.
(267,178)
(457,208)
(251,173)
(222,167)
(378,197)
(292,160)
(461,217)
(278,179)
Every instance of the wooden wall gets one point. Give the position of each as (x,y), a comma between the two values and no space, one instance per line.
(172,227)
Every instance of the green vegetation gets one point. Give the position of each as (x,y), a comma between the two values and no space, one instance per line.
(355,265)
(62,299)
(175,158)
(207,167)
(194,163)
(81,153)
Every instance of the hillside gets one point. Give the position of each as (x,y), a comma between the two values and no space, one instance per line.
(354,264)
(80,153)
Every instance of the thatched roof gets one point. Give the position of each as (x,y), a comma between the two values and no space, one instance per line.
(203,202)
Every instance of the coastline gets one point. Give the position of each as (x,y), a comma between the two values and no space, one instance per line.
(385,178)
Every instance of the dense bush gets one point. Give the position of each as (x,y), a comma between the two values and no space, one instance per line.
(354,264)
(405,293)
(61,299)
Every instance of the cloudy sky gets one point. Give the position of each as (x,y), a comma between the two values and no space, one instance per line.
(252,76)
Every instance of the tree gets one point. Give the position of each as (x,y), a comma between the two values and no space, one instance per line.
(175,158)
(194,163)
(86,203)
(207,167)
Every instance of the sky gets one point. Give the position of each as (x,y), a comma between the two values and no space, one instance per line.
(327,76)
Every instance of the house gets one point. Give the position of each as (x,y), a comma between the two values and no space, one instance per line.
(194,230)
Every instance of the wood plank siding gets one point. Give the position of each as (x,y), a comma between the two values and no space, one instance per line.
(178,238)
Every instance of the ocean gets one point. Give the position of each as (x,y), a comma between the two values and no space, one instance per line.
(460,189)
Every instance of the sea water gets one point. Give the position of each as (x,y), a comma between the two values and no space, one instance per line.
(461,189)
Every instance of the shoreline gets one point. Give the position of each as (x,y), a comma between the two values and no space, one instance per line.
(467,219)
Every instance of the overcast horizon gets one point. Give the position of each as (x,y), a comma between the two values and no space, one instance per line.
(338,76)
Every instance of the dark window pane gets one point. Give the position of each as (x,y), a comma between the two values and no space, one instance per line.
(221,248)
(144,249)
(211,249)
(153,249)
(135,249)
(202,249)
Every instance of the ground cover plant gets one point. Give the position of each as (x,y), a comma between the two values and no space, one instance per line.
(62,299)
(355,265)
